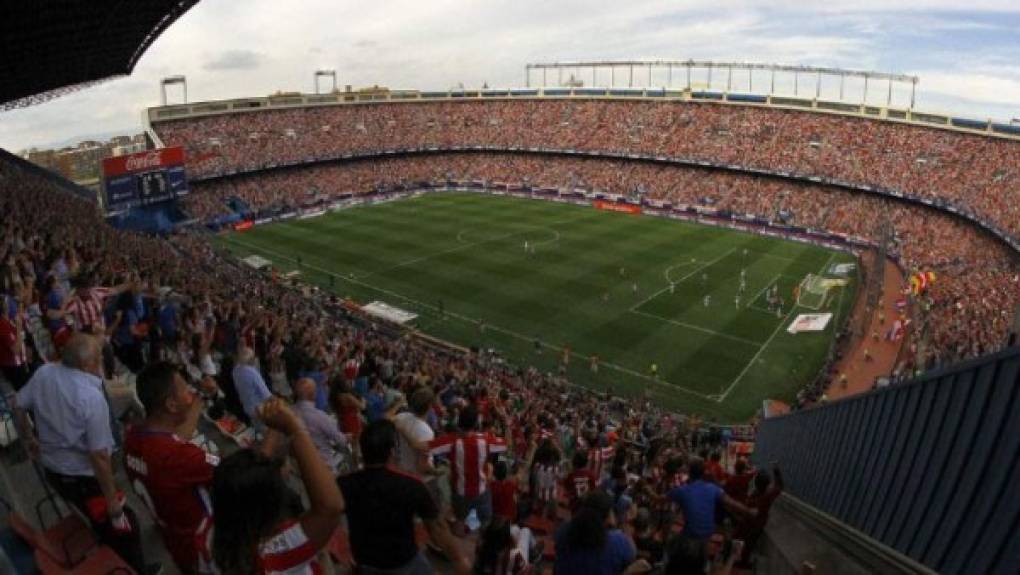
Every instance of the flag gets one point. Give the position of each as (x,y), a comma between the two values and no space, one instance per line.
(920,281)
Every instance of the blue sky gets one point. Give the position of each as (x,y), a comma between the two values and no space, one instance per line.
(967,54)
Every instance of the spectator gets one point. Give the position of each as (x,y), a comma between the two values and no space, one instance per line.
(713,468)
(260,538)
(504,549)
(324,432)
(169,312)
(13,353)
(375,401)
(580,481)
(737,485)
(171,475)
(698,500)
(766,490)
(85,306)
(382,507)
(616,485)
(250,386)
(348,408)
(646,541)
(75,442)
(591,543)
(468,450)
(127,329)
(415,434)
(506,490)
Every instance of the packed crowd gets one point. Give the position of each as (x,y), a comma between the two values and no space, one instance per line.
(967,312)
(975,173)
(614,486)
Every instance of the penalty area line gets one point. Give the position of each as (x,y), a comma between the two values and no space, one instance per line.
(704,266)
(793,308)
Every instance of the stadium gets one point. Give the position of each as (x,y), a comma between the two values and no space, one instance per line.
(615,296)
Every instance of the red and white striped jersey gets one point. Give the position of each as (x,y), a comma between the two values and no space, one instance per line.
(286,552)
(597,456)
(467,453)
(88,311)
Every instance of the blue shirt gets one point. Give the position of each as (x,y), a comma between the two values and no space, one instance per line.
(375,406)
(698,501)
(54,300)
(72,417)
(168,320)
(361,386)
(323,430)
(124,335)
(251,389)
(611,559)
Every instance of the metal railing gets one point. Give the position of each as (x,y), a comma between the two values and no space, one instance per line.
(928,468)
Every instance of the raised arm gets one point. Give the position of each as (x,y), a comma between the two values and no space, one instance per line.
(737,508)
(326,503)
(187,429)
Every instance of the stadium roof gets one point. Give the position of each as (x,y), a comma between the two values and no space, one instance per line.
(53,47)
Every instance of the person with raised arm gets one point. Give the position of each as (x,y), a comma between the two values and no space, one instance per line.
(252,532)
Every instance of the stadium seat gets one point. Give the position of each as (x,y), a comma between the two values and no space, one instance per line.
(67,543)
(103,561)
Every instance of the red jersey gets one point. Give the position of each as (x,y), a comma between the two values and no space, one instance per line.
(288,551)
(12,348)
(578,484)
(714,472)
(172,478)
(350,419)
(504,499)
(351,367)
(737,486)
(467,453)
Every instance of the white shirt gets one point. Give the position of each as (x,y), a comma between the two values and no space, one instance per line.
(410,425)
(72,417)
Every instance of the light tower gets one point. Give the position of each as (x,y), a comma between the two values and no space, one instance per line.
(170,80)
(327,73)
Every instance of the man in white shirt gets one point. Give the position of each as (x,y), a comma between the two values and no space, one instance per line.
(415,434)
(74,442)
(321,427)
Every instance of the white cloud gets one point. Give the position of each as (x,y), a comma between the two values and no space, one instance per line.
(229,49)
(235,60)
(978,92)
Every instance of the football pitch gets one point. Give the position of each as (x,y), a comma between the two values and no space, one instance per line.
(633,290)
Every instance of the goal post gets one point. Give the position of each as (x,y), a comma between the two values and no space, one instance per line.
(812,292)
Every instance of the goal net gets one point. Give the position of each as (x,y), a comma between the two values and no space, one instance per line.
(812,291)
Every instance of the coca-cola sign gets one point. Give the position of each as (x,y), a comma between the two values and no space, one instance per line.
(137,162)
(143,161)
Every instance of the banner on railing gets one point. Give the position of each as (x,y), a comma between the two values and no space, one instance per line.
(614,207)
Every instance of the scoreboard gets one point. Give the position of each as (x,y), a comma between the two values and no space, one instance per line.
(143,179)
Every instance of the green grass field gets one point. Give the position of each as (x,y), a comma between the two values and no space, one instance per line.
(465,252)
